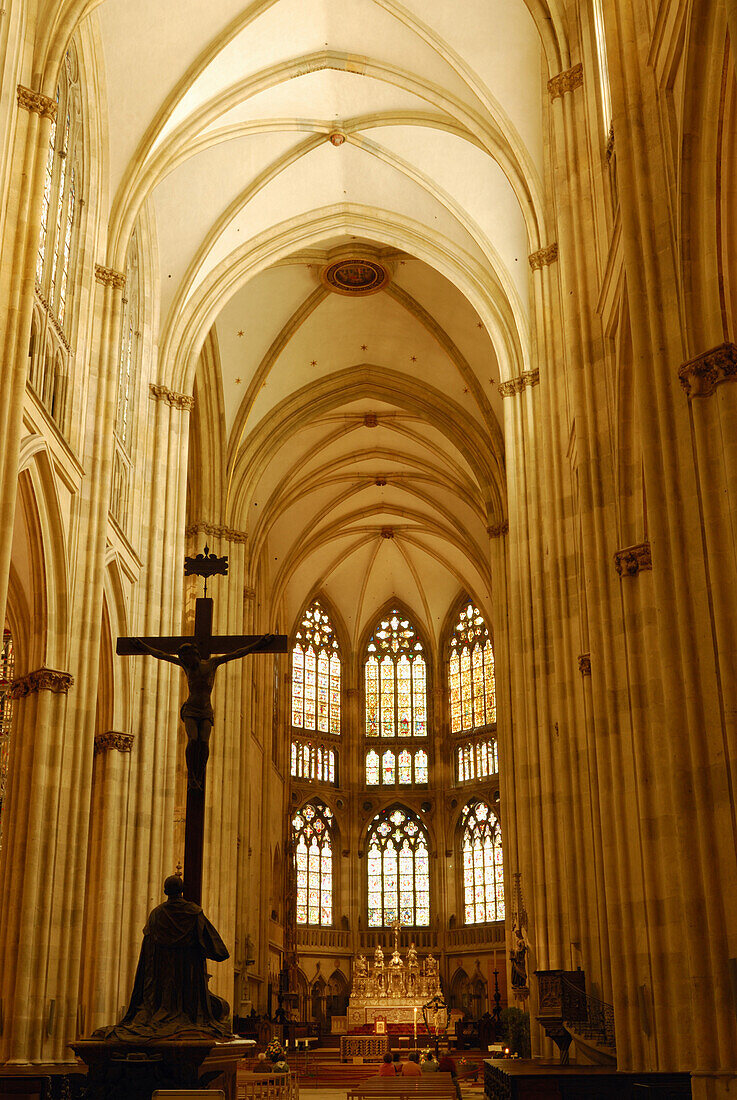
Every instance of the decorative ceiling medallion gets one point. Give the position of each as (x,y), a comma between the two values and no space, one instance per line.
(356,275)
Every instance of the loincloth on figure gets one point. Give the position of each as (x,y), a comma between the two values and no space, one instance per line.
(199,712)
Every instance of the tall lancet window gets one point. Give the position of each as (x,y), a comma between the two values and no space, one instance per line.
(316,674)
(49,364)
(313,849)
(60,201)
(130,334)
(471,673)
(398,870)
(483,864)
(7,672)
(601,56)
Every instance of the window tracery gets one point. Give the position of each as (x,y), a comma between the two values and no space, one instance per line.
(483,864)
(313,848)
(404,767)
(477,760)
(59,230)
(395,678)
(316,674)
(398,870)
(315,762)
(471,673)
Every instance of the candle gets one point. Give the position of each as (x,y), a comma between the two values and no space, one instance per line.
(415,1011)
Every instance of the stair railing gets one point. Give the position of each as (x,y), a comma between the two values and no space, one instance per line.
(598,1016)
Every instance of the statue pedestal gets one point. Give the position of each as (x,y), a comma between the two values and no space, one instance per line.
(131,1071)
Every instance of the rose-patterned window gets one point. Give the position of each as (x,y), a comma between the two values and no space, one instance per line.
(483,864)
(313,853)
(398,870)
(316,674)
(471,673)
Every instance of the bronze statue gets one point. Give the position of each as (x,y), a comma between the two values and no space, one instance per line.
(196,711)
(170,998)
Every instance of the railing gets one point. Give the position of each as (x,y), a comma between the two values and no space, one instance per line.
(479,935)
(597,1016)
(426,938)
(323,937)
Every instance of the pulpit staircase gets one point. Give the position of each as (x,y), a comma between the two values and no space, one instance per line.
(569,1014)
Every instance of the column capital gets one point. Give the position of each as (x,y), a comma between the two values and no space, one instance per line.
(182,401)
(113,739)
(216,531)
(521,382)
(543,256)
(36,102)
(584,664)
(41,679)
(108,276)
(633,560)
(496,530)
(567,81)
(700,376)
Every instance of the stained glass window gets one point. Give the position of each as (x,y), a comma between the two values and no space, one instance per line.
(398,870)
(316,674)
(312,762)
(471,673)
(477,760)
(372,768)
(59,202)
(129,346)
(313,853)
(395,680)
(387,767)
(7,672)
(483,864)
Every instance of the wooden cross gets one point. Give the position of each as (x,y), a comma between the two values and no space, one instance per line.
(199,666)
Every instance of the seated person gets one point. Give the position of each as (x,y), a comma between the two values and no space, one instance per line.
(386,1069)
(262,1065)
(447,1065)
(397,1063)
(428,1063)
(411,1067)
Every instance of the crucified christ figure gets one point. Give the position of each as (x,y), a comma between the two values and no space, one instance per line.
(196,711)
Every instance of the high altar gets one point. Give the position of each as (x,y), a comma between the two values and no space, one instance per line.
(395,990)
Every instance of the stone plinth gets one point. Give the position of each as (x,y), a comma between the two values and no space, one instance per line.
(131,1071)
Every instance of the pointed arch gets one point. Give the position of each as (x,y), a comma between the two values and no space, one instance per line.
(482,860)
(313,841)
(398,869)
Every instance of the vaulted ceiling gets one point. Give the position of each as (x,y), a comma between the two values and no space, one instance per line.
(356,418)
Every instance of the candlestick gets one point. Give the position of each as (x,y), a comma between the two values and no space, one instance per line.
(415,1011)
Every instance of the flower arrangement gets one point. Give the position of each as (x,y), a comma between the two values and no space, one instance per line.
(275,1051)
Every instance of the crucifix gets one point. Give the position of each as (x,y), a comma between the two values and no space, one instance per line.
(194,655)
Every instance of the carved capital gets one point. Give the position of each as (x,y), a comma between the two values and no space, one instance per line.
(700,376)
(182,401)
(633,560)
(108,276)
(34,101)
(584,664)
(41,679)
(113,739)
(249,593)
(217,531)
(521,382)
(567,81)
(543,256)
(498,529)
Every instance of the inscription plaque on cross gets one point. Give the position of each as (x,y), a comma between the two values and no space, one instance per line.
(199,655)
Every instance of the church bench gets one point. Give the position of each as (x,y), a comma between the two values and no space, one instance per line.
(268,1086)
(404,1088)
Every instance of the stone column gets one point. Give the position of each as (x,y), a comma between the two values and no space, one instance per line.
(17,278)
(695,808)
(157,686)
(100,997)
(32,913)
